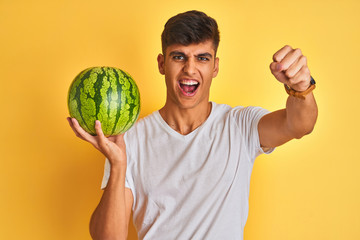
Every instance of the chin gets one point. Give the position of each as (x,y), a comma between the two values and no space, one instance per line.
(191,103)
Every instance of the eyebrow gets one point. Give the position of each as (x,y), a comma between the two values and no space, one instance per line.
(204,55)
(176,53)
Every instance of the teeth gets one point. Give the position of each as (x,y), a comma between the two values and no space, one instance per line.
(189,82)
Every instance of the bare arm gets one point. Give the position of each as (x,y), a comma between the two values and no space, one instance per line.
(111,217)
(299,117)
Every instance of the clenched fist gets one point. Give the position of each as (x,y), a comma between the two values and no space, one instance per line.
(290,67)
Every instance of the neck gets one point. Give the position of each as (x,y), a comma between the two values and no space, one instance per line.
(185,120)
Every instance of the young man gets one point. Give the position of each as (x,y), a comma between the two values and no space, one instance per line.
(185,170)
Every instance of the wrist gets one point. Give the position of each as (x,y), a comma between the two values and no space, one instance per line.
(117,168)
(117,176)
(301,94)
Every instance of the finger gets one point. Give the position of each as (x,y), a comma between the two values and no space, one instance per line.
(73,128)
(301,81)
(69,121)
(100,134)
(279,55)
(275,67)
(296,67)
(120,140)
(291,58)
(278,74)
(83,134)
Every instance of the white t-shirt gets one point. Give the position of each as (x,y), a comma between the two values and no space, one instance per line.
(193,186)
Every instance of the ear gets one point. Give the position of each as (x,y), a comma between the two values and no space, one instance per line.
(216,67)
(160,60)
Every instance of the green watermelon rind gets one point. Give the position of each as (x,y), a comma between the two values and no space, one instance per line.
(107,94)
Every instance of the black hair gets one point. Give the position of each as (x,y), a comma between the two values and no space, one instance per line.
(190,27)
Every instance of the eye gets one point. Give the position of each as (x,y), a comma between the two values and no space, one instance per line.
(203,59)
(178,57)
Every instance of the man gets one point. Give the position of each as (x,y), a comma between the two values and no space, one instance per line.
(185,170)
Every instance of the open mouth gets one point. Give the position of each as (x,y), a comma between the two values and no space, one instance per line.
(189,87)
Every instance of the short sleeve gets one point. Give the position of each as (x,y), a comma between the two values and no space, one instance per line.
(106,175)
(248,119)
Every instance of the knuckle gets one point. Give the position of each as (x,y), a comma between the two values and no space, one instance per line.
(289,74)
(304,78)
(275,57)
(303,59)
(305,71)
(288,47)
(292,81)
(298,51)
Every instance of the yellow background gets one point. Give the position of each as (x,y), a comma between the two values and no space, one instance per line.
(50,180)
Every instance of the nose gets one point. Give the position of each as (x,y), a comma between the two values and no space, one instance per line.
(190,66)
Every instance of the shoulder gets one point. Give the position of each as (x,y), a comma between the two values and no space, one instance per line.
(239,115)
(220,110)
(238,111)
(143,127)
(249,113)
(137,136)
(141,123)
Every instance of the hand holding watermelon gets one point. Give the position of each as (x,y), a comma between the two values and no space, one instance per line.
(107,95)
(112,147)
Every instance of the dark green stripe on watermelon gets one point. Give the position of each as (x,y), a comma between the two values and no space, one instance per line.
(107,94)
(118,89)
(74,103)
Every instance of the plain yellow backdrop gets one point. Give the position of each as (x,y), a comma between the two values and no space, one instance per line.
(50,180)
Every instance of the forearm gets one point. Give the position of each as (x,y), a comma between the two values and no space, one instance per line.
(111,217)
(109,220)
(301,115)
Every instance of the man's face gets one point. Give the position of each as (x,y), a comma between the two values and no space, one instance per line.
(188,72)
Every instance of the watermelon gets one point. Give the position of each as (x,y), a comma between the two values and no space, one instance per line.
(107,94)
